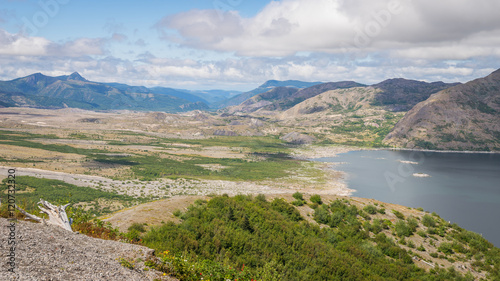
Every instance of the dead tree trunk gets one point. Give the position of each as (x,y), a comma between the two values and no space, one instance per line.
(57,214)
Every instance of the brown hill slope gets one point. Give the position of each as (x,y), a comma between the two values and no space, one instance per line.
(335,101)
(464,117)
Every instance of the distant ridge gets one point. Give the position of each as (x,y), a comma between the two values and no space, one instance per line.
(41,91)
(283,98)
(268,85)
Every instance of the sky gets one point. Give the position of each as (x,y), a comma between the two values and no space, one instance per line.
(240,44)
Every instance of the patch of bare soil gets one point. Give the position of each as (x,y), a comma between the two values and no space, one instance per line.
(152,213)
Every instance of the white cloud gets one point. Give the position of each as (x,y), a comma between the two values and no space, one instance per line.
(15,45)
(20,45)
(286,27)
(362,40)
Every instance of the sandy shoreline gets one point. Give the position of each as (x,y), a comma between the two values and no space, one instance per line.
(311,152)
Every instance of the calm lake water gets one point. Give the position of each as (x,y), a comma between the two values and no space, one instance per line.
(461,187)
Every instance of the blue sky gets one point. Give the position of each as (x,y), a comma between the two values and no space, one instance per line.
(239,44)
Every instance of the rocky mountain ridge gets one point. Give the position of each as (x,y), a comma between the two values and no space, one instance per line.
(464,117)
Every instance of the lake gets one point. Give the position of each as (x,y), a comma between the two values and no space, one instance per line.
(461,187)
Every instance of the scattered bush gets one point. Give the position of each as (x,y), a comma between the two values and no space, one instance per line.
(299,199)
(316,199)
(446,248)
(402,229)
(139,227)
(298,196)
(422,233)
(410,244)
(429,221)
(398,214)
(370,209)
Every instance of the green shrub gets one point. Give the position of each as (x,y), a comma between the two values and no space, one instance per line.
(316,199)
(376,226)
(398,214)
(431,230)
(364,215)
(412,224)
(298,196)
(139,227)
(298,202)
(402,229)
(126,263)
(446,248)
(410,244)
(177,213)
(370,209)
(422,233)
(429,221)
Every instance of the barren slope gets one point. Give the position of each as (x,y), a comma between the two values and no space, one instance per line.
(464,117)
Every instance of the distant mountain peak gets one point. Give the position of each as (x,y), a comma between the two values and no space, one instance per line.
(76,76)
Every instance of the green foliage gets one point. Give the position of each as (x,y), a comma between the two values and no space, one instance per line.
(139,227)
(298,196)
(126,263)
(153,167)
(429,221)
(410,244)
(177,213)
(398,214)
(190,269)
(60,193)
(422,233)
(299,199)
(316,199)
(377,226)
(23,139)
(285,209)
(263,145)
(446,248)
(412,223)
(85,223)
(403,229)
(273,162)
(219,245)
(370,209)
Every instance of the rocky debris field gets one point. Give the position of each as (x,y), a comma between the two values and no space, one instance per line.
(45,252)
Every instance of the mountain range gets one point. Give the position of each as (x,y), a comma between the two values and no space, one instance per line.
(267,86)
(393,94)
(439,115)
(41,91)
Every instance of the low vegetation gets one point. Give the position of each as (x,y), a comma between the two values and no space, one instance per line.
(248,238)
(29,190)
